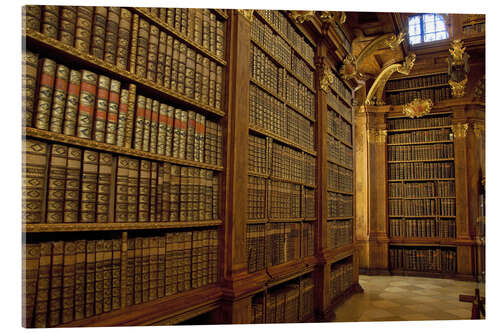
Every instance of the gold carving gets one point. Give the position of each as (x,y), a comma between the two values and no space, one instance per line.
(247,13)
(326,78)
(330,16)
(417,108)
(393,41)
(480,89)
(377,135)
(374,96)
(459,130)
(458,68)
(458,88)
(457,52)
(301,16)
(478,128)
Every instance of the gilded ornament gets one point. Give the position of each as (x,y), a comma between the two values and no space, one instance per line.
(417,108)
(460,129)
(458,68)
(326,79)
(458,88)
(393,41)
(247,13)
(478,128)
(330,16)
(301,16)
(377,135)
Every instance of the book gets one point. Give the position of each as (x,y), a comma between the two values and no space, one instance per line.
(99,277)
(45,93)
(116,260)
(89,178)
(35,157)
(50,21)
(111,35)
(83,28)
(174,190)
(121,193)
(162,129)
(181,72)
(144,191)
(170,131)
(98,31)
(86,104)
(31,262)
(165,199)
(123,43)
(161,266)
(174,68)
(190,72)
(104,181)
(190,139)
(123,115)
(139,122)
(183,193)
(107,275)
(153,192)
(79,291)
(56,183)
(32,17)
(146,251)
(58,103)
(101,108)
(130,275)
(152,54)
(162,51)
(167,78)
(147,124)
(138,270)
(159,192)
(113,112)
(133,189)
(29,80)
(43,286)
(153,268)
(90,277)
(155,112)
(72,99)
(67,25)
(142,48)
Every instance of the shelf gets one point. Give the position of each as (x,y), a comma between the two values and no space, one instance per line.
(220,13)
(258,174)
(110,226)
(437,113)
(420,180)
(290,181)
(401,241)
(330,133)
(417,129)
(294,108)
(341,96)
(290,270)
(340,218)
(279,138)
(277,61)
(440,275)
(310,219)
(339,113)
(413,198)
(430,160)
(339,164)
(418,88)
(79,58)
(285,39)
(256,221)
(418,75)
(419,143)
(412,216)
(286,220)
(73,140)
(144,13)
(329,189)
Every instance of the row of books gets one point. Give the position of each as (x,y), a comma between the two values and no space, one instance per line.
(80,278)
(282,23)
(339,178)
(416,123)
(277,80)
(421,170)
(341,277)
(417,82)
(443,134)
(293,165)
(133,43)
(285,200)
(95,107)
(309,203)
(435,94)
(472,29)
(422,228)
(256,197)
(65,184)
(424,189)
(413,207)
(448,207)
(338,152)
(199,25)
(278,48)
(423,259)
(338,106)
(270,114)
(257,154)
(339,205)
(420,152)
(339,126)
(340,233)
(272,244)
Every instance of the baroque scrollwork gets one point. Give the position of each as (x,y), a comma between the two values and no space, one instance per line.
(326,78)
(417,108)
(458,68)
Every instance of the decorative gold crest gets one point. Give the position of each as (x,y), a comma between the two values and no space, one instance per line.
(457,52)
(458,88)
(247,13)
(300,16)
(417,108)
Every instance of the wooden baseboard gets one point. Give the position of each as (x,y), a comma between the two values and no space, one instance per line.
(367,271)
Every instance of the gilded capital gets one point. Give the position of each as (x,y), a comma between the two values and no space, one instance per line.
(377,135)
(460,130)
(247,13)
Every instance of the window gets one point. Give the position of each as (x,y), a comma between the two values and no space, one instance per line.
(426,28)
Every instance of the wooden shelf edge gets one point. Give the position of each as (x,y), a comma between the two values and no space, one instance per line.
(258,174)
(286,220)
(81,227)
(442,275)
(329,189)
(154,311)
(340,218)
(290,270)
(419,143)
(89,60)
(429,160)
(73,140)
(417,88)
(330,133)
(276,137)
(329,256)
(340,164)
(417,129)
(331,106)
(421,242)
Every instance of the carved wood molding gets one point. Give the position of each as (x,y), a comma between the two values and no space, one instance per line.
(478,128)
(460,130)
(377,135)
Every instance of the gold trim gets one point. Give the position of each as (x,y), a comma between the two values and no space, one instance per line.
(301,16)
(460,130)
(246,13)
(326,78)
(458,88)
(73,140)
(418,107)
(377,135)
(327,16)
(457,52)
(123,74)
(374,96)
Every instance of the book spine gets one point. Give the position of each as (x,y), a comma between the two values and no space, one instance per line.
(211,83)
(89,186)
(190,72)
(205,77)
(134,40)
(167,77)
(86,105)
(154,192)
(32,17)
(159,193)
(79,285)
(181,72)
(101,108)
(45,93)
(170,131)
(124,29)
(198,76)
(144,190)
(162,128)
(122,118)
(138,271)
(186,260)
(169,263)
(152,55)
(50,21)
(116,274)
(83,30)
(174,192)
(183,193)
(165,199)
(121,210)
(107,275)
(111,35)
(153,268)
(146,249)
(130,268)
(113,112)
(99,277)
(198,26)
(155,111)
(218,87)
(146,133)
(43,285)
(67,25)
(31,264)
(161,266)
(98,32)
(90,278)
(29,80)
(104,187)
(208,195)
(182,135)
(71,107)
(139,122)
(174,68)
(133,186)
(142,48)
(190,140)
(219,39)
(56,183)
(35,157)
(160,66)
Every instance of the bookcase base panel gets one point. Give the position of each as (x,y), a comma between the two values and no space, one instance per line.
(329,314)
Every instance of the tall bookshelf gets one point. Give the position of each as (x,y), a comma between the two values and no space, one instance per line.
(123,155)
(421,194)
(402,90)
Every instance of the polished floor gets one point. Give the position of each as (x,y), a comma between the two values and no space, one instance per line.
(401,298)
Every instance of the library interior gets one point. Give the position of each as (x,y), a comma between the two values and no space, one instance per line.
(190,166)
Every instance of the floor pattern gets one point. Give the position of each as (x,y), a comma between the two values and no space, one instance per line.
(402,298)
